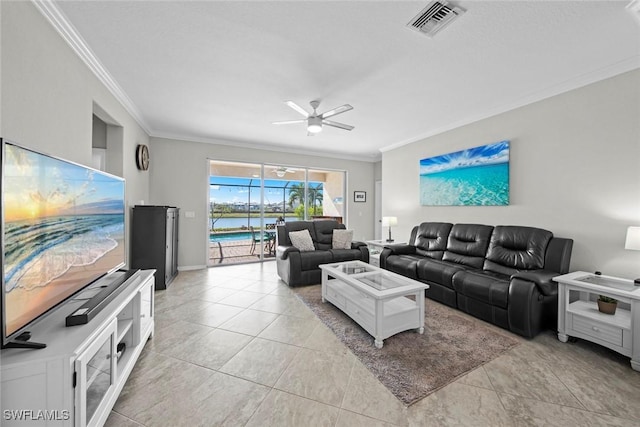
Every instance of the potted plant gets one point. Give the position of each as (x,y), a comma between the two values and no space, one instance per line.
(607,304)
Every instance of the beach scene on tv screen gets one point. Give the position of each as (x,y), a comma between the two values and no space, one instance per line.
(477,176)
(64,227)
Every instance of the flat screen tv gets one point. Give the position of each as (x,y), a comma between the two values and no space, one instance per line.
(63,228)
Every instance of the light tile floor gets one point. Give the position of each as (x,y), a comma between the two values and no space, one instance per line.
(234,347)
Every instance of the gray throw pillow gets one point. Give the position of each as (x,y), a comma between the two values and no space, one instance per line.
(342,239)
(302,240)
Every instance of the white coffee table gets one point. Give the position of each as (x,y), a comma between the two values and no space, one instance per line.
(375,298)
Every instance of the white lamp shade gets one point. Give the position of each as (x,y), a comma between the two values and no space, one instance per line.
(633,239)
(389,221)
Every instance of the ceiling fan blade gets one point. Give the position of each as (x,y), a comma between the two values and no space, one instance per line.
(288,122)
(337,125)
(298,108)
(341,109)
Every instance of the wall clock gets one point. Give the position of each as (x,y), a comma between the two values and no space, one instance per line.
(142,157)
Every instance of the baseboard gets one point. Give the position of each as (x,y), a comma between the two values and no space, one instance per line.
(191,267)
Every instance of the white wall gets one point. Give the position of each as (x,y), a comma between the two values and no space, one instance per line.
(574,170)
(48,95)
(179,177)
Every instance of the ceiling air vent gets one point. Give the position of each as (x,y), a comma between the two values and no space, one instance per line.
(434,17)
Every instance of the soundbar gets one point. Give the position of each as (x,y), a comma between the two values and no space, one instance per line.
(93,306)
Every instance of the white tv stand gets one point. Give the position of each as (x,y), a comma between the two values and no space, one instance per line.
(76,379)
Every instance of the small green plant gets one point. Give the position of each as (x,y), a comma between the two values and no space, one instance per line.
(605,298)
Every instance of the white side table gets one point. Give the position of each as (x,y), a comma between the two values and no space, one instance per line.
(376,247)
(578,314)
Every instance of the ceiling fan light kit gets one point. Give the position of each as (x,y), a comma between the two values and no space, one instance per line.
(314,124)
(282,171)
(314,120)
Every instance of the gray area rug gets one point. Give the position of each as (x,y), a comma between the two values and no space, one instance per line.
(411,365)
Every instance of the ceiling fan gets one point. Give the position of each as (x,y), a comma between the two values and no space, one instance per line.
(314,120)
(282,171)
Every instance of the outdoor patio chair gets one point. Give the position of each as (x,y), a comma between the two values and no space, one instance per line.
(270,236)
(258,238)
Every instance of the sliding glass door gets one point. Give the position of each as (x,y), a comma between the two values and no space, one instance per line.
(235,211)
(247,200)
(326,195)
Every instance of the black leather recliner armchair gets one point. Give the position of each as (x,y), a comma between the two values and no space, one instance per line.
(297,268)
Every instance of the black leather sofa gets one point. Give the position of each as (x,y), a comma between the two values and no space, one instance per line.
(500,274)
(297,268)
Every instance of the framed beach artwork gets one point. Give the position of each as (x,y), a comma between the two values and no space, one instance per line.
(477,176)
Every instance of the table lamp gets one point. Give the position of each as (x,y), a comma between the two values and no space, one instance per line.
(389,221)
(632,243)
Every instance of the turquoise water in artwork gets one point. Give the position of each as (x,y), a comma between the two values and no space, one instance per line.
(486,185)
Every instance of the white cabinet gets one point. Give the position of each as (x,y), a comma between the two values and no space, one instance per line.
(375,249)
(578,314)
(77,378)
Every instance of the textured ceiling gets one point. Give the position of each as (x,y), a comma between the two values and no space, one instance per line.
(216,70)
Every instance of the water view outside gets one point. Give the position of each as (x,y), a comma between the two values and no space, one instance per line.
(239,222)
(235,202)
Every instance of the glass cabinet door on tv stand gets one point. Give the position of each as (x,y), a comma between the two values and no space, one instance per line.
(95,373)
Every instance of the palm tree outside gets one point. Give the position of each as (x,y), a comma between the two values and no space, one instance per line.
(296,194)
(314,197)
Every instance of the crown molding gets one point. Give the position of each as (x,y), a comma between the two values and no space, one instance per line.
(634,9)
(69,34)
(375,157)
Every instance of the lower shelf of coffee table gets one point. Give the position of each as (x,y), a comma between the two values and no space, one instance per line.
(398,314)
